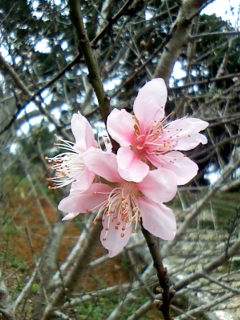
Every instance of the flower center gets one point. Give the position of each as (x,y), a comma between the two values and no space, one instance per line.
(120,209)
(147,140)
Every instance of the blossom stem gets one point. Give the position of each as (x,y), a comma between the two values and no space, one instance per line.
(91,61)
(167,293)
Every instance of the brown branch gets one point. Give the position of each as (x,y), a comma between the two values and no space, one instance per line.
(92,63)
(76,59)
(181,27)
(167,293)
(90,59)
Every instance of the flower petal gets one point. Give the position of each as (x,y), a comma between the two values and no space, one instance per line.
(190,142)
(86,179)
(104,164)
(120,125)
(158,219)
(150,102)
(114,240)
(82,202)
(183,167)
(183,133)
(70,216)
(130,166)
(159,185)
(82,132)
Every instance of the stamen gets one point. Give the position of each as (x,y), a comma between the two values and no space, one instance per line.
(120,208)
(68,165)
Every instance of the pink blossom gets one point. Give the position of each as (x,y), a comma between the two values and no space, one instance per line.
(69,165)
(146,139)
(121,204)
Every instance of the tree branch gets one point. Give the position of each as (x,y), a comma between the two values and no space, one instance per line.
(167,294)
(91,61)
(180,30)
(29,96)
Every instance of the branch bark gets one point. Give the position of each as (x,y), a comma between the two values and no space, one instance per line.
(180,31)
(91,61)
(167,293)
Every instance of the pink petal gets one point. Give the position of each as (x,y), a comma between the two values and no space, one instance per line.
(111,238)
(188,125)
(86,178)
(183,167)
(70,216)
(82,202)
(159,185)
(190,142)
(150,102)
(130,167)
(120,125)
(158,219)
(104,164)
(184,133)
(82,132)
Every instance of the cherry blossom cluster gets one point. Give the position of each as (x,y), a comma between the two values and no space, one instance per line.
(132,185)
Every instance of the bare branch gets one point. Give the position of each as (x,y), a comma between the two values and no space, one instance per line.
(85,47)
